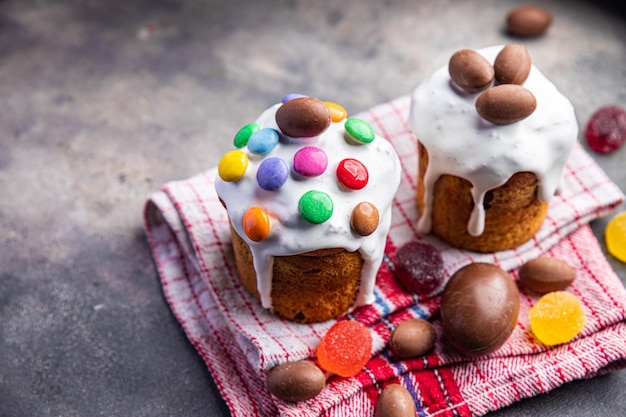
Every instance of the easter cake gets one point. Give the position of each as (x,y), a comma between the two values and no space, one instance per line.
(494,135)
(308,192)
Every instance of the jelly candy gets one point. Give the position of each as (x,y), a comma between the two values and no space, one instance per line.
(345,348)
(606,129)
(557,318)
(615,236)
(419,267)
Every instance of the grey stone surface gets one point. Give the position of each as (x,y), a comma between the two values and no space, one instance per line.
(102,102)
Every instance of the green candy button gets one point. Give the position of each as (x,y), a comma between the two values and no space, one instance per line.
(315,206)
(241,138)
(359,130)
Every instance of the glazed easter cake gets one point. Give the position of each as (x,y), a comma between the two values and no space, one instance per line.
(494,135)
(308,193)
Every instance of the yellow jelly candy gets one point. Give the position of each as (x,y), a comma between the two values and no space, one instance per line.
(615,236)
(337,112)
(557,318)
(232,166)
(256,224)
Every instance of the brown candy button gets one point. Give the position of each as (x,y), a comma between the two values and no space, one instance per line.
(545,274)
(303,117)
(412,338)
(479,308)
(470,70)
(528,21)
(512,65)
(364,218)
(505,104)
(295,381)
(395,401)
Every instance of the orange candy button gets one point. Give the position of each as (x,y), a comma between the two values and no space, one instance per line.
(615,236)
(256,224)
(337,112)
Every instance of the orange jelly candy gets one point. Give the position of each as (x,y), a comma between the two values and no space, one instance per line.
(615,236)
(557,318)
(345,348)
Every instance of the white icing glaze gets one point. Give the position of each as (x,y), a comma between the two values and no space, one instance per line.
(290,234)
(461,143)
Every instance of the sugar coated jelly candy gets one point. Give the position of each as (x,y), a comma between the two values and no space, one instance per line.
(232,166)
(359,131)
(315,206)
(606,130)
(557,318)
(256,224)
(243,135)
(615,236)
(419,267)
(345,348)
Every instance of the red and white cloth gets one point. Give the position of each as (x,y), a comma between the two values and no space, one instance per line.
(188,231)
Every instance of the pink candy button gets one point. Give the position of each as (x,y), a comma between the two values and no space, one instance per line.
(310,161)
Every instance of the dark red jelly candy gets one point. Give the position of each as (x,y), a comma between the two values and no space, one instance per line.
(606,129)
(419,267)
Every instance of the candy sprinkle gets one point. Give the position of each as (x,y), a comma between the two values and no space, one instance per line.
(557,318)
(263,141)
(345,348)
(337,112)
(272,173)
(359,131)
(232,166)
(352,174)
(256,224)
(615,236)
(315,206)
(243,135)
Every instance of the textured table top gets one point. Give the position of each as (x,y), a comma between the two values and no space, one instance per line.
(102,102)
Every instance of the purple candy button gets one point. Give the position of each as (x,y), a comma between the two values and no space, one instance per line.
(310,161)
(272,173)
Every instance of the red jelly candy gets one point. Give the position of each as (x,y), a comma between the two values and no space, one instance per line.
(606,129)
(345,348)
(419,267)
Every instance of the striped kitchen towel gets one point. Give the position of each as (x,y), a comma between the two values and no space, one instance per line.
(188,231)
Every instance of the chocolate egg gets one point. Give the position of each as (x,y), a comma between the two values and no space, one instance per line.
(412,338)
(303,117)
(545,274)
(513,64)
(395,401)
(479,308)
(295,381)
(470,70)
(505,104)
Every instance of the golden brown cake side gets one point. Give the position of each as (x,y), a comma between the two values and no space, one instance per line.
(513,212)
(306,288)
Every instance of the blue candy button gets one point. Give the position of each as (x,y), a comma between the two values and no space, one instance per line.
(272,173)
(263,141)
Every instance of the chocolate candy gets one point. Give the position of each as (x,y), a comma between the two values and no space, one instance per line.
(505,104)
(412,338)
(352,174)
(546,274)
(315,206)
(470,70)
(295,381)
(479,308)
(256,224)
(419,267)
(395,401)
(263,141)
(512,65)
(272,173)
(364,218)
(303,117)
(359,132)
(527,21)
(232,166)
(244,134)
(310,161)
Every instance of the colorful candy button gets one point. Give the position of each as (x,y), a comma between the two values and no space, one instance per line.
(352,174)
(256,224)
(263,141)
(272,173)
(232,166)
(615,236)
(337,112)
(315,206)
(243,135)
(359,131)
(364,218)
(291,97)
(310,161)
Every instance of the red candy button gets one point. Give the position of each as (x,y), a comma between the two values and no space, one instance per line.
(352,174)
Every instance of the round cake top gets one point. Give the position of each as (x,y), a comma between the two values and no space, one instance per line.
(445,118)
(304,177)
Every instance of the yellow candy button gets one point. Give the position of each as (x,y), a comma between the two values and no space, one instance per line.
(337,112)
(232,166)
(256,224)
(615,236)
